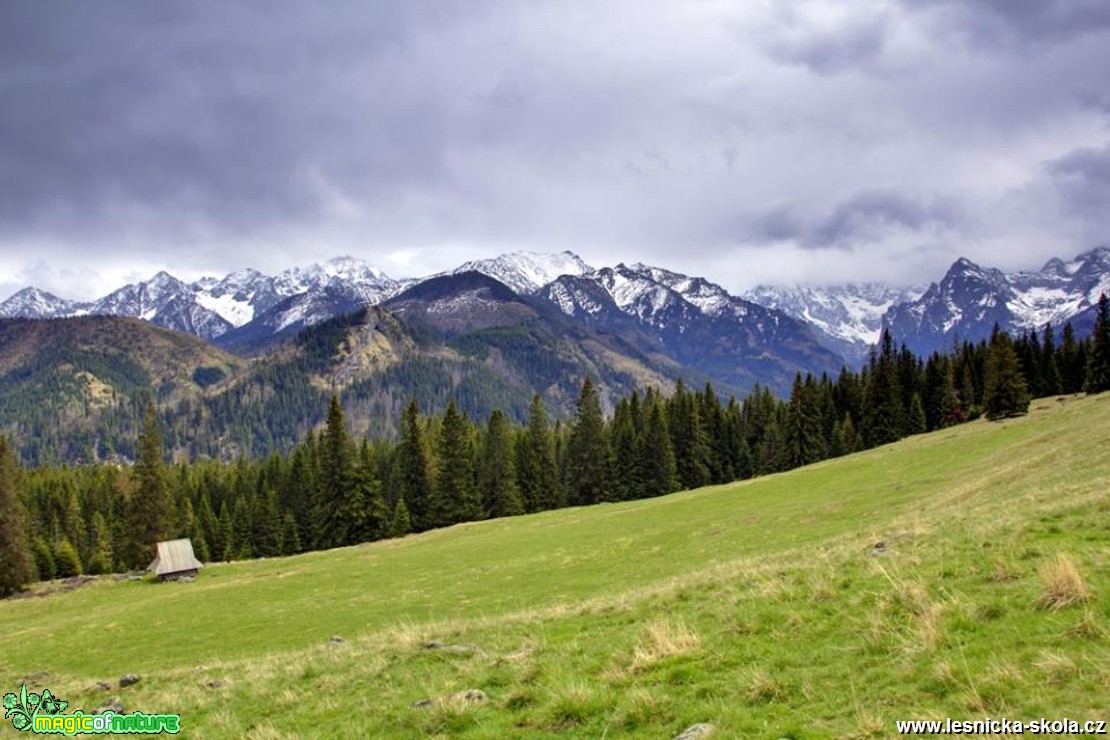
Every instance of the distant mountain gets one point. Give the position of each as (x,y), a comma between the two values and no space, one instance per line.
(32,303)
(970,299)
(527,272)
(242,310)
(694,323)
(163,301)
(848,318)
(69,388)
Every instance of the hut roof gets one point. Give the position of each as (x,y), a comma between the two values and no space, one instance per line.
(174,556)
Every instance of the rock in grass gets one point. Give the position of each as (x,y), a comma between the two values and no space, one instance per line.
(113,705)
(129,679)
(465,648)
(695,732)
(468,696)
(103,686)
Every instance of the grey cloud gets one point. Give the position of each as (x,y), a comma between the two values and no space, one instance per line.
(1019,22)
(202,116)
(865,218)
(1082,178)
(855,42)
(266,133)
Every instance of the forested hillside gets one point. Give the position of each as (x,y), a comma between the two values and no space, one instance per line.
(339,488)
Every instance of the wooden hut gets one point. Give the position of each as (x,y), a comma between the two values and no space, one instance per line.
(175,559)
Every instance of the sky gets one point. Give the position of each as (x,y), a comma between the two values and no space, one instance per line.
(763,141)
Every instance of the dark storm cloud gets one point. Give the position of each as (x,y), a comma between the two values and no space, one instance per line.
(1082,178)
(1019,22)
(212,115)
(867,217)
(211,136)
(828,47)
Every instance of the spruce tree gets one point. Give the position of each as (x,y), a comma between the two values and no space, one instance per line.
(290,535)
(415,475)
(17,567)
(630,480)
(1097,377)
(497,479)
(1005,392)
(1070,361)
(915,420)
(150,509)
(100,559)
(589,464)
(885,410)
(377,521)
(340,510)
(69,562)
(1050,368)
(537,469)
(844,437)
(804,439)
(657,463)
(688,439)
(43,555)
(455,497)
(402,523)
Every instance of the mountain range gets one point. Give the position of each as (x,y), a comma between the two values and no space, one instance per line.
(248,312)
(265,352)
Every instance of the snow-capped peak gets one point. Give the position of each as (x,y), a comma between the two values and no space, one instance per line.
(32,303)
(527,272)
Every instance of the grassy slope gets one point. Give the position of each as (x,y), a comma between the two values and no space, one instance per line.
(755,606)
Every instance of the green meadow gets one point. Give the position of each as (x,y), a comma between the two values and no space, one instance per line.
(962,574)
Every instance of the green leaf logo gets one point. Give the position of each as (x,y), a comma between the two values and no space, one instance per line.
(23,709)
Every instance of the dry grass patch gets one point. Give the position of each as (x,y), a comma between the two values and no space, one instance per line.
(1063,584)
(663,639)
(1056,667)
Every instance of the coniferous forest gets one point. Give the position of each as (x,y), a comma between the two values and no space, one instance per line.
(334,489)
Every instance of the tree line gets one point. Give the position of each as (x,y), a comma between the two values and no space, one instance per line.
(334,489)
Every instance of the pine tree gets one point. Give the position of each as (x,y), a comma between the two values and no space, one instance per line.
(844,437)
(150,509)
(340,510)
(688,439)
(537,469)
(1097,377)
(100,559)
(226,534)
(915,423)
(44,564)
(378,517)
(497,478)
(1005,392)
(300,485)
(630,480)
(69,562)
(657,461)
(242,528)
(804,439)
(1050,369)
(455,497)
(17,568)
(415,475)
(589,465)
(1071,362)
(265,524)
(883,397)
(290,535)
(402,524)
